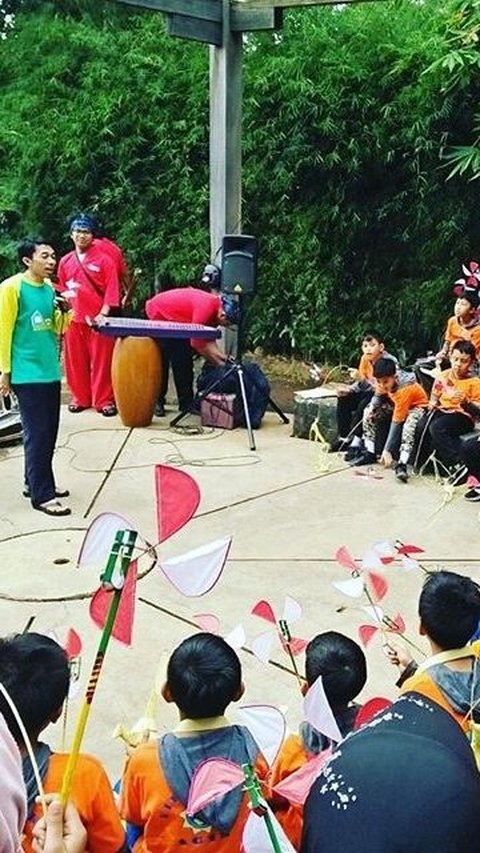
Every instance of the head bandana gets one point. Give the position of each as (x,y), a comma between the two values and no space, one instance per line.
(83,222)
(231,307)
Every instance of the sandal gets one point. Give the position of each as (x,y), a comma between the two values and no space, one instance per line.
(108,411)
(59,493)
(75,407)
(53,507)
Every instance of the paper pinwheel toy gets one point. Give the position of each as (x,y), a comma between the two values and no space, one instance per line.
(293,646)
(268,727)
(383,624)
(364,578)
(319,715)
(406,553)
(112,607)
(470,280)
(216,777)
(72,643)
(210,623)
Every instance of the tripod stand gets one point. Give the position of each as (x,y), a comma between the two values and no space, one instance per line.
(235,368)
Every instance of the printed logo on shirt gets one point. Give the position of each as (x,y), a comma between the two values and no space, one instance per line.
(195,824)
(93,267)
(40,323)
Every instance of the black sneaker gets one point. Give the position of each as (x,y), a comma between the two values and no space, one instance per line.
(364,458)
(472,495)
(458,475)
(159,410)
(401,472)
(353,452)
(339,445)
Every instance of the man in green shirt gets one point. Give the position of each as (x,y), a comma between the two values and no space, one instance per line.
(31,318)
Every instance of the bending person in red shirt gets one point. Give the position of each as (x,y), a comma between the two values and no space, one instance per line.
(189,305)
(91,277)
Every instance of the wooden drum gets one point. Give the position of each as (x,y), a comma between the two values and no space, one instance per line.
(137,378)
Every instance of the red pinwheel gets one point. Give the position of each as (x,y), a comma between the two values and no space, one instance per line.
(364,578)
(293,646)
(470,280)
(395,626)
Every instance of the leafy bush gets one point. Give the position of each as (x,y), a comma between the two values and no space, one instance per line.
(361,131)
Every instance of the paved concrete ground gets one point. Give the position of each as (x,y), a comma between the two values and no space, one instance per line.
(287,513)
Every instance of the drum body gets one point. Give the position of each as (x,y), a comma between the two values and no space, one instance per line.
(136,378)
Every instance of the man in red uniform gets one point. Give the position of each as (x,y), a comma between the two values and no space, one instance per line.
(91,277)
(189,305)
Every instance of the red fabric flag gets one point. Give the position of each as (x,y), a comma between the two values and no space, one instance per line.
(178,497)
(100,604)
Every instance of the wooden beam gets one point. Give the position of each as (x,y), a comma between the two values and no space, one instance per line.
(291,4)
(246,20)
(225,136)
(194,29)
(204,10)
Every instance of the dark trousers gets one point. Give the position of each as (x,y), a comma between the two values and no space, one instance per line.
(178,353)
(350,410)
(471,456)
(445,431)
(39,404)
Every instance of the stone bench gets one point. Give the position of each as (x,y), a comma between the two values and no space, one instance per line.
(316,404)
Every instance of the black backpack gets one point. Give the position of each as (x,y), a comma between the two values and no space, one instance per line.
(225,381)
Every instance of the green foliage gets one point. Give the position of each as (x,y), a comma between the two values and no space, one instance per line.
(361,137)
(111,115)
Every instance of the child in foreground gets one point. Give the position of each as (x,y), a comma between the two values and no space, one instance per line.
(343,667)
(35,671)
(449,610)
(203,677)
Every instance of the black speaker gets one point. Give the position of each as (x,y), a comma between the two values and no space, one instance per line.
(239,263)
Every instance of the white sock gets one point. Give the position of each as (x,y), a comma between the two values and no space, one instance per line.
(404,456)
(356,441)
(369,445)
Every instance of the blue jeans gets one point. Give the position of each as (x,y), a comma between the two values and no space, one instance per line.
(39,404)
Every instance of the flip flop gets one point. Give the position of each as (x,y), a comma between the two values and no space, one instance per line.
(53,507)
(108,411)
(59,493)
(74,408)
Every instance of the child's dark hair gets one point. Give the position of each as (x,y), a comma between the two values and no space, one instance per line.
(373,335)
(471,296)
(449,608)
(204,675)
(36,673)
(465,347)
(384,367)
(341,663)
(26,248)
